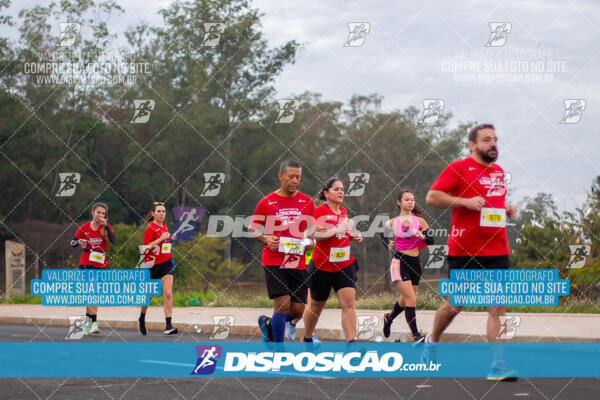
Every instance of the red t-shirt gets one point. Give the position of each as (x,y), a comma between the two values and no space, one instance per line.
(467,178)
(96,245)
(283,217)
(323,257)
(153,232)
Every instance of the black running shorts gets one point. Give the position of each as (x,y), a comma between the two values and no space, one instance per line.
(324,281)
(163,269)
(286,282)
(405,268)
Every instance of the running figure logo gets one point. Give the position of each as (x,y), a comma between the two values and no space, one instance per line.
(213,32)
(68,183)
(508,326)
(222,326)
(358,183)
(76,324)
(367,326)
(143,108)
(498,183)
(148,254)
(432,109)
(499,32)
(187,221)
(573,110)
(579,253)
(287,111)
(357,34)
(533,220)
(291,261)
(207,359)
(69,32)
(212,183)
(437,254)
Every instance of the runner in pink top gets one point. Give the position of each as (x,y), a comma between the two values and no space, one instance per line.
(410,235)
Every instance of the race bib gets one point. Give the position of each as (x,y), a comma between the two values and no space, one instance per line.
(493,217)
(338,254)
(165,248)
(291,245)
(97,257)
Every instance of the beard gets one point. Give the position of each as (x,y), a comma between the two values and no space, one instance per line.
(485,156)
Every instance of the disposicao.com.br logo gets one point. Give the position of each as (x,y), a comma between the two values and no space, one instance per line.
(294,359)
(327,361)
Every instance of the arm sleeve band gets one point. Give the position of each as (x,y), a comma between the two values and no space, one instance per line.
(428,238)
(111,235)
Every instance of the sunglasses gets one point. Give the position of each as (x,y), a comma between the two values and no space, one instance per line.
(158,203)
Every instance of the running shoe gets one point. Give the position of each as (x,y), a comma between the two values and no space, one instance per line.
(290,331)
(500,372)
(170,330)
(387,325)
(85,325)
(419,338)
(142,326)
(94,329)
(264,323)
(429,353)
(353,346)
(313,346)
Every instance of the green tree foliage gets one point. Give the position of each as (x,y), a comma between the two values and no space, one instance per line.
(199,262)
(215,111)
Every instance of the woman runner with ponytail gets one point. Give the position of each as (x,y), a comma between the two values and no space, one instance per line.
(334,266)
(93,237)
(161,266)
(411,235)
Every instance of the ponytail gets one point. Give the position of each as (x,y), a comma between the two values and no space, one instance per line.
(328,185)
(150,215)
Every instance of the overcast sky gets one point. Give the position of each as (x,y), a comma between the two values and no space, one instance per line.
(413,51)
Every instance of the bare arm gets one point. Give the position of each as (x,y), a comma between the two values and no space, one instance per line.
(271,241)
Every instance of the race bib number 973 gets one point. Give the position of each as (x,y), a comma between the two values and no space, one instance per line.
(493,217)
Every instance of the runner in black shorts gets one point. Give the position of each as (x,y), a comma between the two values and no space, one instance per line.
(475,189)
(335,268)
(410,235)
(157,244)
(279,221)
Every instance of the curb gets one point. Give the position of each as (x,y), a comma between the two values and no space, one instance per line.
(249,330)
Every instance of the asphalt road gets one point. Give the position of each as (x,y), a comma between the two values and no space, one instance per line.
(266,388)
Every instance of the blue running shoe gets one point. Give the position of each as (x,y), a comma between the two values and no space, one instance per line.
(500,372)
(264,323)
(429,353)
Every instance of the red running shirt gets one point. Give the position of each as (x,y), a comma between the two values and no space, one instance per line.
(153,232)
(323,257)
(283,217)
(467,178)
(95,243)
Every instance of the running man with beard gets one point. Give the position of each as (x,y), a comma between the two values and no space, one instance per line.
(475,191)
